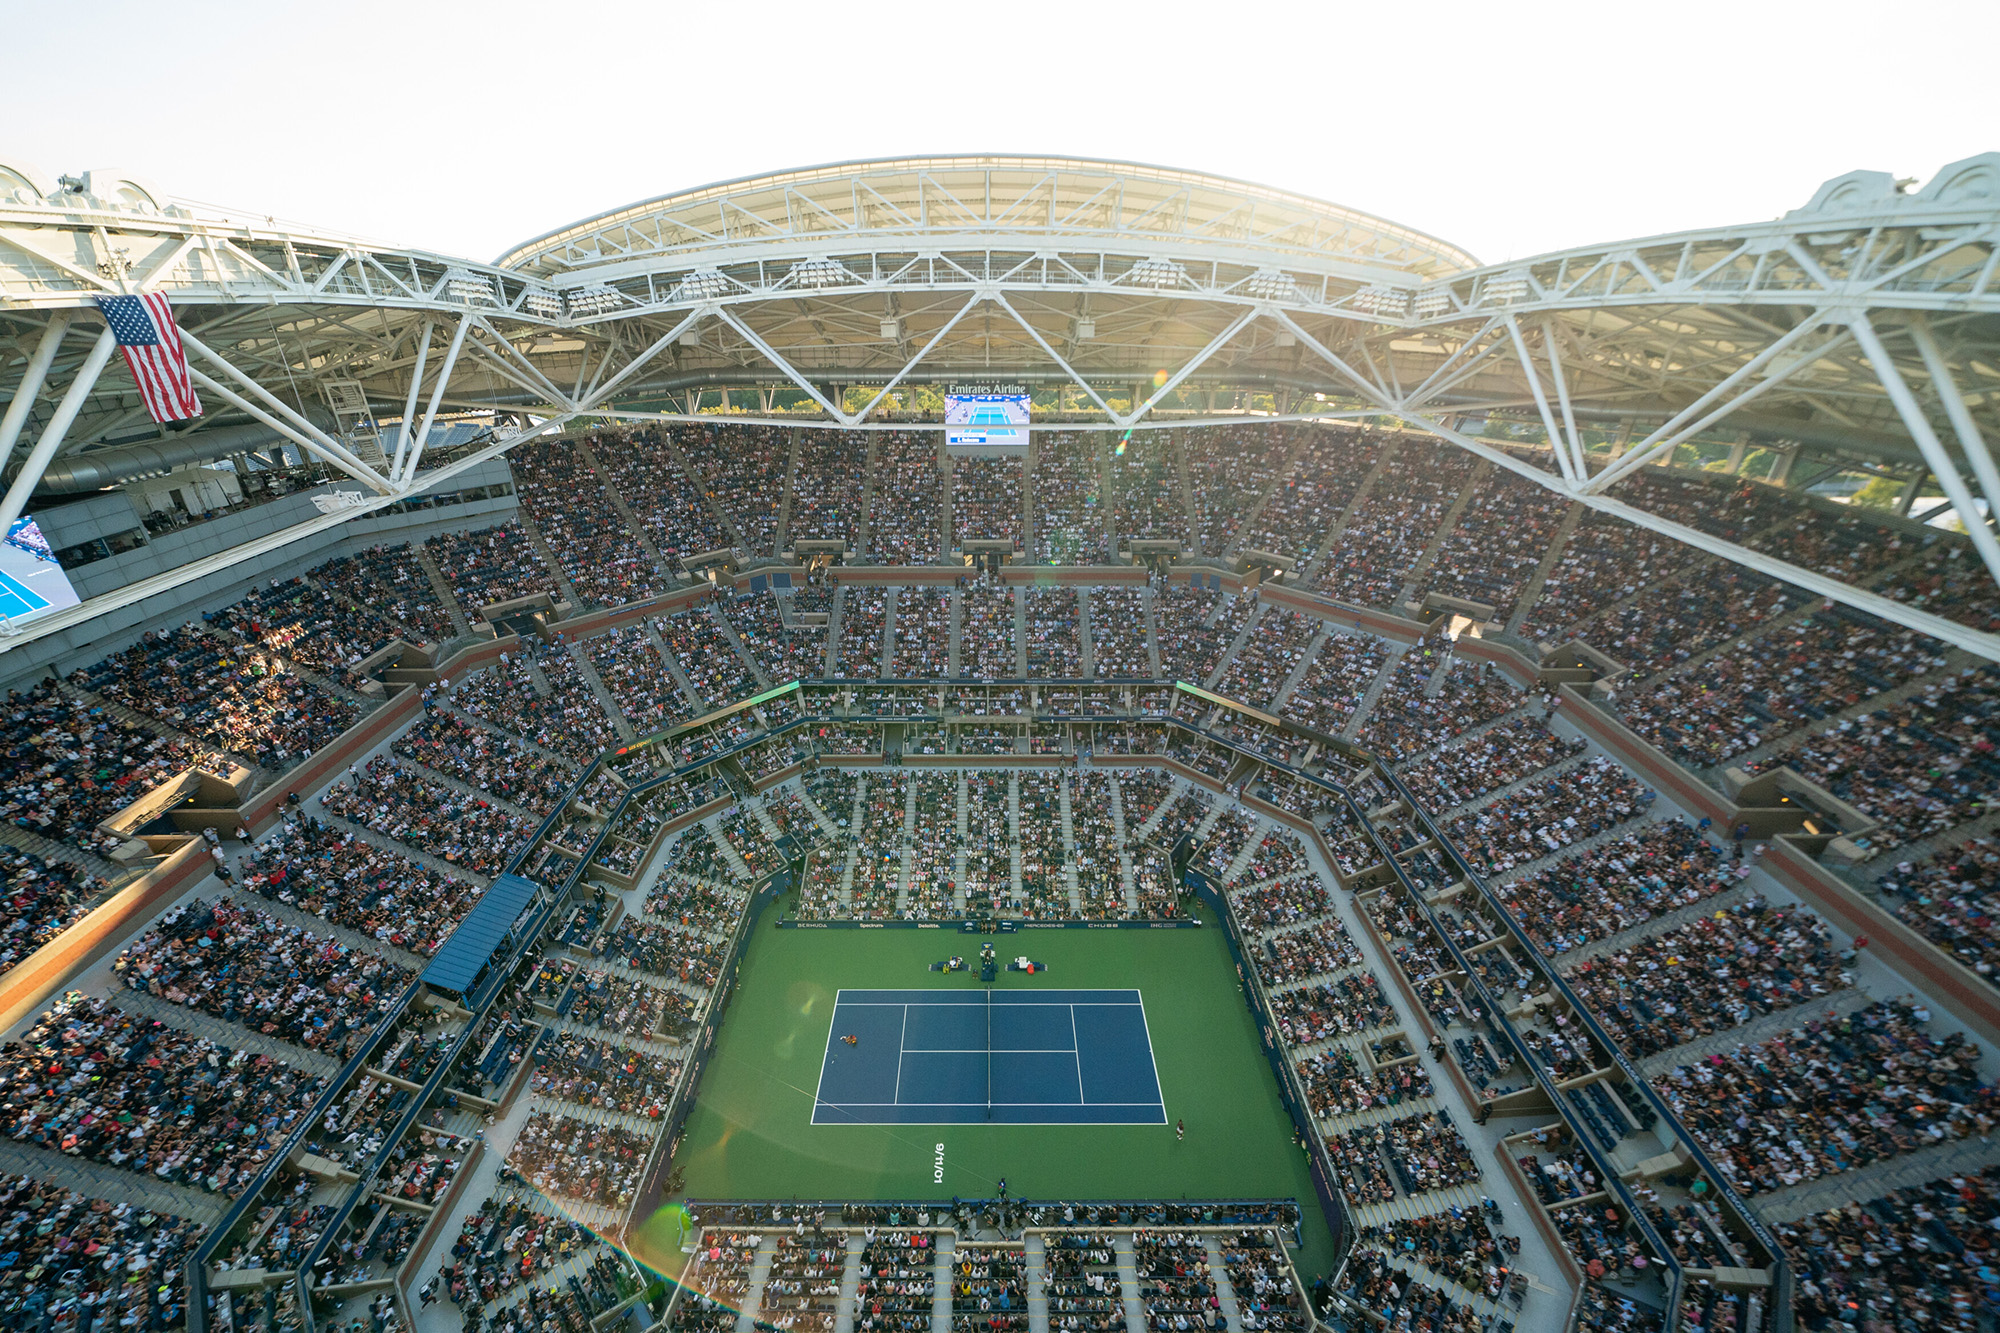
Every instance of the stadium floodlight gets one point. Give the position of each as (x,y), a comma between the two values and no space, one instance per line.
(892,328)
(821,273)
(1270,284)
(1086,327)
(595,299)
(1432,302)
(1503,288)
(1157,273)
(542,302)
(1390,302)
(703,284)
(467,287)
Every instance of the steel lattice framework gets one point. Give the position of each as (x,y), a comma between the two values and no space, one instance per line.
(1860,330)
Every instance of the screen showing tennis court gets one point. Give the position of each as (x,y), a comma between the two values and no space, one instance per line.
(32,582)
(986,421)
(926,1057)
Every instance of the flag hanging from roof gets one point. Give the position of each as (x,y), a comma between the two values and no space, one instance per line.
(145,329)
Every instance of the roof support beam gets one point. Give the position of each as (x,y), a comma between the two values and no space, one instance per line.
(404,431)
(1969,438)
(437,396)
(911,364)
(1541,401)
(52,434)
(287,422)
(770,354)
(1678,428)
(601,392)
(1941,463)
(32,379)
(1056,357)
(1215,344)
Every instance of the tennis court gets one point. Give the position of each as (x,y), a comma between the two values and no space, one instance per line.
(928,1057)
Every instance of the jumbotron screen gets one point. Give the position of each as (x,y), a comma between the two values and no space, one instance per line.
(986,420)
(32,582)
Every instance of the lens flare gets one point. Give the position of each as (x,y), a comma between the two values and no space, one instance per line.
(1159,379)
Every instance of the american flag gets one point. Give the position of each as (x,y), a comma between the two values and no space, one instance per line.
(145,329)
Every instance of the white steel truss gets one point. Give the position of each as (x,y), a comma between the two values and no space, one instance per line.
(1862,330)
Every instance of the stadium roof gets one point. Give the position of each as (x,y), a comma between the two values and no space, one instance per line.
(1861,330)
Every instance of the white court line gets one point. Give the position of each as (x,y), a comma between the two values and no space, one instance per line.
(1156,1066)
(825,1056)
(899,1054)
(1076,1048)
(841,1105)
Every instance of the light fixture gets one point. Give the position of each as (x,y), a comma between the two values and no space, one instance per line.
(1270,284)
(542,303)
(595,299)
(703,284)
(1432,301)
(1387,301)
(467,287)
(1156,273)
(821,273)
(1506,288)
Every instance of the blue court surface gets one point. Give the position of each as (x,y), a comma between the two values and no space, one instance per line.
(933,1057)
(17,599)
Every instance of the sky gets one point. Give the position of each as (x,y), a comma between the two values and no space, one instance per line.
(1509,129)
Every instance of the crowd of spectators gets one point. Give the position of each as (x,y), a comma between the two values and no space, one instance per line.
(1196,626)
(1917,1257)
(1763,687)
(1145,490)
(629,663)
(1617,885)
(1276,645)
(601,557)
(897,1278)
(986,643)
(246,704)
(356,885)
(1413,715)
(1457,1244)
(1419,1153)
(1068,493)
(1953,899)
(785,654)
(576,1159)
(503,1243)
(1336,682)
(1118,632)
(652,478)
(923,634)
(1401,1301)
(1605,560)
(489,761)
(91,1081)
(1231,469)
(1302,510)
(828,487)
(310,627)
(1322,1010)
(242,966)
(1389,530)
(1498,543)
(986,499)
(1552,812)
(393,799)
(1919,766)
(1338,1084)
(1055,645)
(593,1072)
(863,614)
(705,654)
(1715,973)
(77,1262)
(69,764)
(1468,769)
(1832,1095)
(1668,623)
(391,581)
(496,564)
(39,900)
(904,516)
(743,470)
